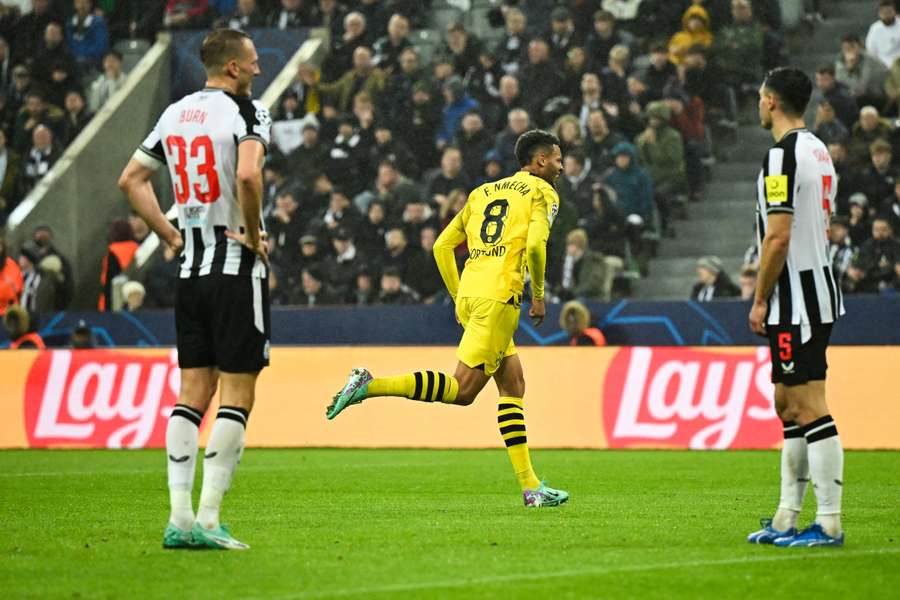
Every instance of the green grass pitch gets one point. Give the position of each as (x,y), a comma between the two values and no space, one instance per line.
(439,524)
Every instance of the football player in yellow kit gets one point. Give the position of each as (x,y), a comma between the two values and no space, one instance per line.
(505,224)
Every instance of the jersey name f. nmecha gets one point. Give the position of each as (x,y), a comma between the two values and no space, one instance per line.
(798,177)
(197,137)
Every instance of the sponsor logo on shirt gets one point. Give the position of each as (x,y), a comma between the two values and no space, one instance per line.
(776,189)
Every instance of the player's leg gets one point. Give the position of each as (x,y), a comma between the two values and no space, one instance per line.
(242,351)
(223,452)
(794,462)
(510,380)
(788,377)
(826,459)
(427,386)
(807,407)
(198,385)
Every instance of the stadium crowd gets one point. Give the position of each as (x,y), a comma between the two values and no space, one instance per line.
(375,150)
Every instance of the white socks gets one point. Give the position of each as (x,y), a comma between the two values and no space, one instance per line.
(826,465)
(182,432)
(226,444)
(794,477)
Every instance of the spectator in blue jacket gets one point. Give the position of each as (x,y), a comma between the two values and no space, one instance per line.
(632,184)
(86,35)
(634,196)
(456,104)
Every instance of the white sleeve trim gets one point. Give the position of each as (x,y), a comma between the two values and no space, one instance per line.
(146,159)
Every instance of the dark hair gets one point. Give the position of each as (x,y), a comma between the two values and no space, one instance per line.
(826,70)
(120,231)
(792,87)
(533,141)
(315,271)
(391,272)
(577,155)
(851,38)
(114,53)
(884,3)
(220,46)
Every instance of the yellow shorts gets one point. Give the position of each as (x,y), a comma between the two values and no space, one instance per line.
(489,327)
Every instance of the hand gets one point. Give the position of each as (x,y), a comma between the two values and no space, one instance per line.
(258,245)
(174,242)
(758,317)
(537,311)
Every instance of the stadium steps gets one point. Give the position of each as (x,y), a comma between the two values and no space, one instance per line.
(722,223)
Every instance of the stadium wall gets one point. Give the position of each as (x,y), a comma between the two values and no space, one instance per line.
(78,197)
(869,321)
(612,397)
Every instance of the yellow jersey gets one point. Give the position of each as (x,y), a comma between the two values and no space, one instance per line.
(505,224)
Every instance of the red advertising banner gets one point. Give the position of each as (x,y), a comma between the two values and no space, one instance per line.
(672,397)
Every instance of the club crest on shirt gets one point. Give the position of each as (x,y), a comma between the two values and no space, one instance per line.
(263,122)
(776,189)
(554,210)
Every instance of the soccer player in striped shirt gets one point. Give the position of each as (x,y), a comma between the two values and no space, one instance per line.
(213,142)
(796,303)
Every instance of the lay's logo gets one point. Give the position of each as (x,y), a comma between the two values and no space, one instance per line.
(776,189)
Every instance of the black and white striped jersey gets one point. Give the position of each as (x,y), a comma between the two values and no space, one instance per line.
(798,177)
(197,138)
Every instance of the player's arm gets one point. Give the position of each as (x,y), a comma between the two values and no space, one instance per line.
(251,154)
(452,236)
(536,243)
(135,183)
(773,254)
(778,188)
(252,128)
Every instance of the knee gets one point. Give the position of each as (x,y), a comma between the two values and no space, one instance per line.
(464,399)
(517,388)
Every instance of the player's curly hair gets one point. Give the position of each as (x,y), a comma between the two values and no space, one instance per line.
(533,141)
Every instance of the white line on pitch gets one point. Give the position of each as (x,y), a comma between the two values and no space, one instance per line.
(589,571)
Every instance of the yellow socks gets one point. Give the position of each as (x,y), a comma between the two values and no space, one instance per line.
(425,386)
(511,419)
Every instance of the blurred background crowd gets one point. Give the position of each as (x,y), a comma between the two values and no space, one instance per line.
(374,151)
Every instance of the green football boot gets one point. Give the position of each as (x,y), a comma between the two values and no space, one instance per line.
(353,392)
(218,538)
(175,538)
(544,496)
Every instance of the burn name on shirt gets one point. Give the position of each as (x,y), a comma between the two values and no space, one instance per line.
(192,115)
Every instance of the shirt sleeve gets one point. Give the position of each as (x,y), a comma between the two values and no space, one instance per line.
(152,145)
(778,180)
(452,236)
(543,213)
(253,122)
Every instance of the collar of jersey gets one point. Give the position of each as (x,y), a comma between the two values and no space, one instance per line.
(794,130)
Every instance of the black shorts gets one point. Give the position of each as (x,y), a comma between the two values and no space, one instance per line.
(796,363)
(222,321)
